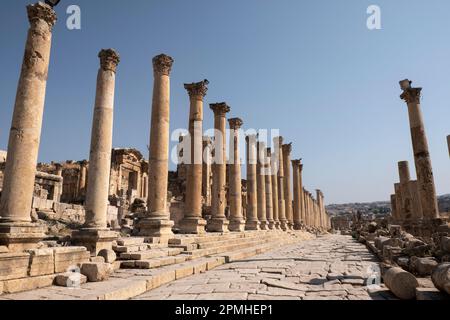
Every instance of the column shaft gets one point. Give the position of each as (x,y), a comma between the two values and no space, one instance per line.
(287,149)
(252,222)
(268,179)
(261,186)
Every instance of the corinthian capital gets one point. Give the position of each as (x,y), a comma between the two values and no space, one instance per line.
(296,163)
(41,11)
(410,95)
(197,89)
(162,64)
(219,109)
(109,59)
(235,123)
(287,148)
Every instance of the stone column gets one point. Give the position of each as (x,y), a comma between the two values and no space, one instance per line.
(448,144)
(287,149)
(403,171)
(297,194)
(278,142)
(95,234)
(218,221)
(59,186)
(320,213)
(261,186)
(193,221)
(424,171)
(252,222)
(416,206)
(399,201)
(16,230)
(237,222)
(206,171)
(82,180)
(394,213)
(157,223)
(274,180)
(268,179)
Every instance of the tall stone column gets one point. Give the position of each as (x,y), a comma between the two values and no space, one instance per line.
(157,223)
(320,212)
(274,180)
(268,178)
(193,221)
(424,171)
(448,144)
(82,180)
(206,171)
(261,186)
(287,149)
(297,186)
(95,234)
(278,143)
(399,201)
(252,222)
(394,213)
(237,222)
(405,178)
(218,221)
(16,230)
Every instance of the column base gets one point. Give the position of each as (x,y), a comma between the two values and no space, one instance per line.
(298,226)
(252,225)
(237,225)
(20,236)
(277,225)
(216,224)
(156,227)
(283,225)
(271,225)
(93,239)
(264,225)
(192,225)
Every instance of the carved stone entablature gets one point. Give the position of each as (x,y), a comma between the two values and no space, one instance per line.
(162,64)
(197,89)
(220,108)
(41,11)
(109,59)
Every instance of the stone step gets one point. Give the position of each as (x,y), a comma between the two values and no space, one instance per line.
(149,254)
(130,241)
(130,248)
(189,239)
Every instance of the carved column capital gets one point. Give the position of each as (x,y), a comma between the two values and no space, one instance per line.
(287,148)
(296,163)
(219,109)
(235,123)
(197,90)
(162,64)
(410,95)
(41,11)
(109,59)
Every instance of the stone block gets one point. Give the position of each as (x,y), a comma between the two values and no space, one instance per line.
(183,271)
(28,283)
(14,265)
(42,262)
(130,290)
(97,259)
(109,255)
(402,283)
(422,266)
(430,294)
(95,271)
(4,249)
(441,277)
(68,257)
(70,279)
(160,278)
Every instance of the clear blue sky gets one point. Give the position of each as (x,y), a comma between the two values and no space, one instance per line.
(310,68)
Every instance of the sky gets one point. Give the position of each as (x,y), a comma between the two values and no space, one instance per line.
(311,69)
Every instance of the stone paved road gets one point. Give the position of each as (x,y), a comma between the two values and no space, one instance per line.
(331,267)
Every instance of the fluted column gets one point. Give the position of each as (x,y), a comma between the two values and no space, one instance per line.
(274,180)
(278,143)
(193,221)
(95,234)
(261,185)
(157,223)
(424,171)
(16,230)
(252,222)
(297,186)
(287,149)
(237,222)
(268,178)
(218,221)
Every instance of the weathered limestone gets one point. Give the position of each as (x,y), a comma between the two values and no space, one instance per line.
(218,221)
(206,171)
(95,234)
(82,180)
(261,185)
(237,222)
(394,212)
(441,277)
(403,170)
(268,179)
(156,223)
(402,283)
(193,221)
(415,200)
(16,230)
(399,203)
(252,222)
(297,209)
(278,142)
(287,149)
(424,171)
(274,180)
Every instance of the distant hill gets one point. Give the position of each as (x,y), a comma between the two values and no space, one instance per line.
(379,207)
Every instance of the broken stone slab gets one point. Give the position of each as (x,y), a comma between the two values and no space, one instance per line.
(423,266)
(108,254)
(96,271)
(70,279)
(441,277)
(402,283)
